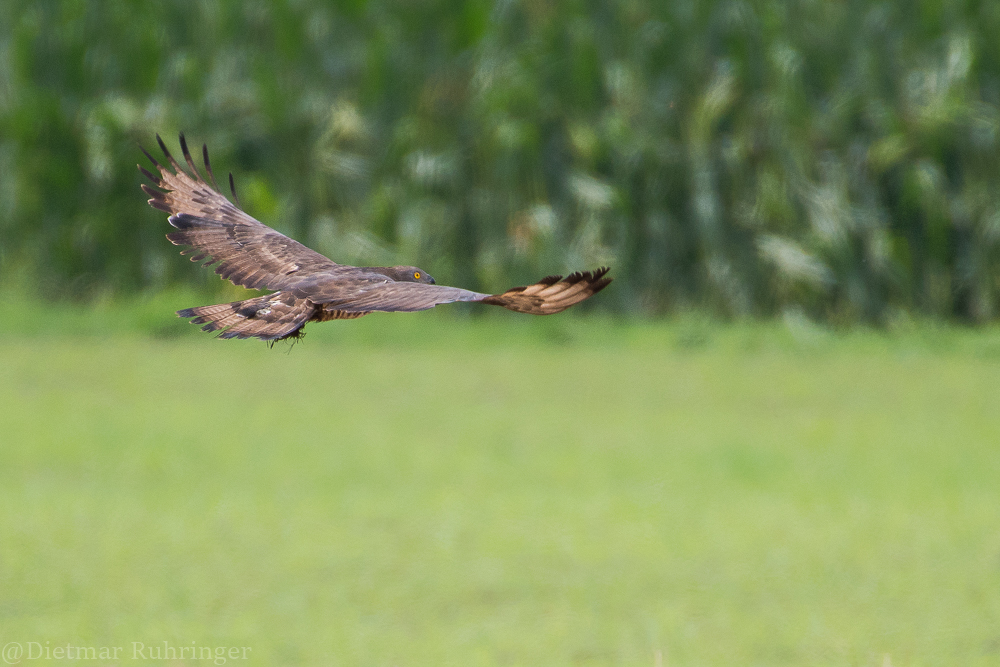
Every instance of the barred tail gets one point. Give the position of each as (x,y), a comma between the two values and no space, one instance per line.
(270,317)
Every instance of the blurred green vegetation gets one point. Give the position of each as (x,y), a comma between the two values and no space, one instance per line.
(505,501)
(832,159)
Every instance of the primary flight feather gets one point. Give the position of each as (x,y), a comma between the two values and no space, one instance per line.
(309,287)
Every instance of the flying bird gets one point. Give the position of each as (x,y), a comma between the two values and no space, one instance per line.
(308,287)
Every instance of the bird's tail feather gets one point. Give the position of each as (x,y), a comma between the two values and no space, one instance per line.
(270,317)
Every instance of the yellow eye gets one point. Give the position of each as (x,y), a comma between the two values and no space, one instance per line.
(417,275)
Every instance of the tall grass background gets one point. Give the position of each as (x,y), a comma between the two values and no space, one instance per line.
(744,158)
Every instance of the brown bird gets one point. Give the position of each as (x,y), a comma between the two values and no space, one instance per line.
(308,286)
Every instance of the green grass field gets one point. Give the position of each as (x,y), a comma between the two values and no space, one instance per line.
(418,490)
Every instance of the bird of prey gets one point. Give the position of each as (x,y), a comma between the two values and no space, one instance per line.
(308,287)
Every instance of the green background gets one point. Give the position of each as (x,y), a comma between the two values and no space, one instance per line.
(745,157)
(633,482)
(425,490)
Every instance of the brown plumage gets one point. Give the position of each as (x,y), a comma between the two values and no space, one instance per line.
(308,286)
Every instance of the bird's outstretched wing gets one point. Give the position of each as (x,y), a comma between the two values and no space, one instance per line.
(248,252)
(551,295)
(311,286)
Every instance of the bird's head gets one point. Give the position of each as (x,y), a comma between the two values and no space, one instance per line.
(410,274)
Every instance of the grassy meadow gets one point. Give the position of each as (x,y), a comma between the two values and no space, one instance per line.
(433,490)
